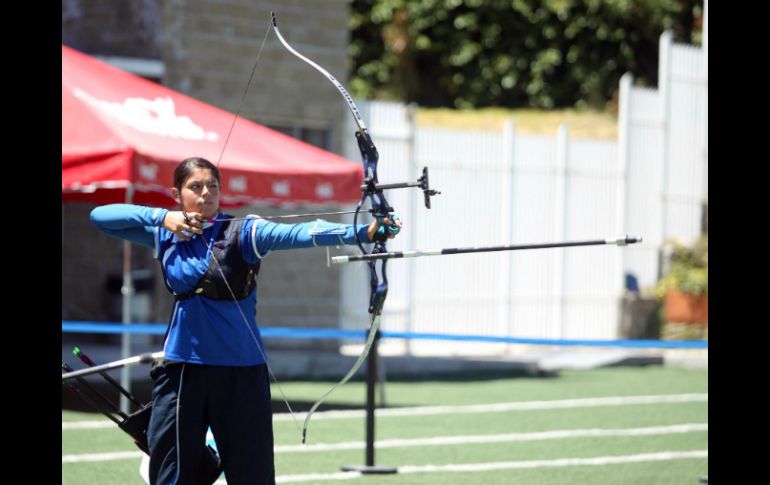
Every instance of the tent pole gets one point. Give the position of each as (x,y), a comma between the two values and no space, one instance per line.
(127,290)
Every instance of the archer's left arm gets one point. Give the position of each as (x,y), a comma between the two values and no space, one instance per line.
(261,236)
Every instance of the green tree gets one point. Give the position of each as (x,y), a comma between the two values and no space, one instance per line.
(515,53)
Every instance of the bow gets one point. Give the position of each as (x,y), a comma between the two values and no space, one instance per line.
(373,191)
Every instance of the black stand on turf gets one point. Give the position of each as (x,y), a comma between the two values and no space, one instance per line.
(371,382)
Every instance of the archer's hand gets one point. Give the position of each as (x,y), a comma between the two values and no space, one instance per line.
(183,224)
(391,225)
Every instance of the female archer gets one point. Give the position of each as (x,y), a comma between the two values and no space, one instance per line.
(215,371)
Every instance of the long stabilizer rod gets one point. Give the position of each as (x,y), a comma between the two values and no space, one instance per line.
(145,358)
(618,241)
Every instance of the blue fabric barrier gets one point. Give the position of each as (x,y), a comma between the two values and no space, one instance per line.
(332,334)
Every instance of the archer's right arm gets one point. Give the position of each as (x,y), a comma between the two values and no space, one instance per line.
(134,223)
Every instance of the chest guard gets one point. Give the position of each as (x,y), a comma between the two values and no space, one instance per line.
(241,276)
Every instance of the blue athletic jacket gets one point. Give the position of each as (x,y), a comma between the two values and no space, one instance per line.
(205,331)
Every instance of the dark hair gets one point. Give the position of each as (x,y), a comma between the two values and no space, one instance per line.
(189,165)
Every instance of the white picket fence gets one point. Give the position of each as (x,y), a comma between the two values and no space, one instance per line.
(505,187)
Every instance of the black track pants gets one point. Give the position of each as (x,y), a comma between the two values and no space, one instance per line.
(234,401)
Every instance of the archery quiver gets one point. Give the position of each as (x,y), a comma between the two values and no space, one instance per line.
(136,425)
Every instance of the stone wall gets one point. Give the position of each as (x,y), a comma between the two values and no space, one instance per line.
(116,28)
(210,47)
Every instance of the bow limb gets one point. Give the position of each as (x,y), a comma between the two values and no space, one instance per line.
(361,358)
(340,87)
(379,206)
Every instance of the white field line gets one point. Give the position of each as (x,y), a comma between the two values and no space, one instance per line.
(97,424)
(497,438)
(506,406)
(116,455)
(442,441)
(465,409)
(504,465)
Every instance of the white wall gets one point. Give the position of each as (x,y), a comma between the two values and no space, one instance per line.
(510,188)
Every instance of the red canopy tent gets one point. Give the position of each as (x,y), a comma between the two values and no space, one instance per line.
(120,131)
(122,137)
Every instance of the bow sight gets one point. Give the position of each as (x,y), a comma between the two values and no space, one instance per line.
(421,182)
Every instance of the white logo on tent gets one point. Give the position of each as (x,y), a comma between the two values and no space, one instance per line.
(157,116)
(324,191)
(148,171)
(281,188)
(238,184)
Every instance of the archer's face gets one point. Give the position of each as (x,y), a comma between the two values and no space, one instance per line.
(200,193)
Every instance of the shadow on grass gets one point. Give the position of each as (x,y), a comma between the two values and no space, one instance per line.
(142,390)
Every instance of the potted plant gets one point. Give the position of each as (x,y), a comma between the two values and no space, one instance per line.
(684,289)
